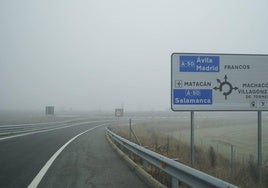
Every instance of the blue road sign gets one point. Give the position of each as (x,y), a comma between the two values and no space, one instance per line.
(204,82)
(199,63)
(192,96)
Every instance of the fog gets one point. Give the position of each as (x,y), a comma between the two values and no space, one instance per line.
(100,55)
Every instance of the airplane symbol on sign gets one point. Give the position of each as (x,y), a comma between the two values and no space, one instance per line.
(178,83)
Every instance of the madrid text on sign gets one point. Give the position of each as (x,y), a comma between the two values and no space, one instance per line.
(199,63)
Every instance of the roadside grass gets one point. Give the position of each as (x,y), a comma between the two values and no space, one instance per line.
(170,140)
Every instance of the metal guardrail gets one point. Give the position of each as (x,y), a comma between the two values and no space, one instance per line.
(178,171)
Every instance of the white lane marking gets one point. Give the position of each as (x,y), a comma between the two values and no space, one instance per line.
(45,168)
(52,129)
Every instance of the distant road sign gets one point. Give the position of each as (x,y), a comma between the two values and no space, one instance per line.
(49,110)
(119,112)
(204,82)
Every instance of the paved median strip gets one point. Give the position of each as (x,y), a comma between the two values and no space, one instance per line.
(46,130)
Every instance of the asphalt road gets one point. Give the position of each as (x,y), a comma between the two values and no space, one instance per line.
(88,161)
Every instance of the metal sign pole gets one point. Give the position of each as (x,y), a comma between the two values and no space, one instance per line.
(130,132)
(260,147)
(232,161)
(192,138)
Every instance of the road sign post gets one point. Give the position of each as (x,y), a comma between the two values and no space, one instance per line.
(259,147)
(192,138)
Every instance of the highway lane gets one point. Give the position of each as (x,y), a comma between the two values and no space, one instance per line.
(89,161)
(21,159)
(9,131)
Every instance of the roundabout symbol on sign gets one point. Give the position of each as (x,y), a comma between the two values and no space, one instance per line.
(224,84)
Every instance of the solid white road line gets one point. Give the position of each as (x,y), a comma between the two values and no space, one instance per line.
(45,168)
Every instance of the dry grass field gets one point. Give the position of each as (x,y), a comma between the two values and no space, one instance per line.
(214,135)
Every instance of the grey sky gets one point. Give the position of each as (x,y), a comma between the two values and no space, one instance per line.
(96,54)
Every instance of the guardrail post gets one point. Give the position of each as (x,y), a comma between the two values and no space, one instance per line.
(174,182)
(145,165)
